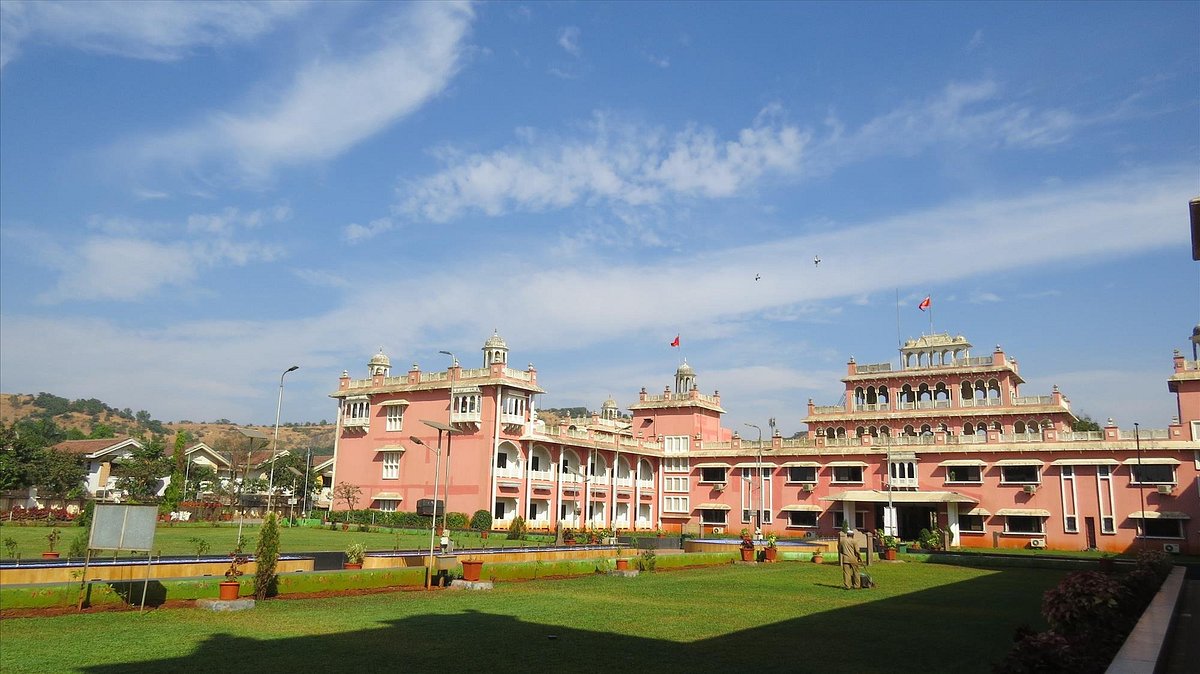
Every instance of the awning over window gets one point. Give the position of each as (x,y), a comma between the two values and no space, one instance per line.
(802,464)
(391,448)
(357,398)
(388,496)
(712,506)
(393,403)
(1023,512)
(983,512)
(1020,462)
(846,464)
(964,462)
(1151,515)
(875,496)
(1084,462)
(1152,461)
(711,465)
(752,464)
(801,508)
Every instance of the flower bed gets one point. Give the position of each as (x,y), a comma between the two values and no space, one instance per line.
(52,514)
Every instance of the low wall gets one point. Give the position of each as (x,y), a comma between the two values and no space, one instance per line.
(378,560)
(134,570)
(1146,644)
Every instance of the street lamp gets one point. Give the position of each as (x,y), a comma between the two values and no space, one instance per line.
(1141,478)
(758,512)
(449,431)
(275,445)
(436,478)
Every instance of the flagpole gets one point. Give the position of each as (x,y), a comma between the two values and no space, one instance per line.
(899,345)
(930,315)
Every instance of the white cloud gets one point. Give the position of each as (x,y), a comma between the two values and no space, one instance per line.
(150,29)
(125,262)
(613,164)
(356,233)
(568,39)
(331,104)
(976,40)
(660,61)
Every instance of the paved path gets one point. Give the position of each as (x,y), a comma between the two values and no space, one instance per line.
(1183,649)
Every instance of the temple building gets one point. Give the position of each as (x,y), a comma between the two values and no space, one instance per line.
(940,439)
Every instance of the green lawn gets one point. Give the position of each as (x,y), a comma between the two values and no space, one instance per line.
(175,539)
(783,617)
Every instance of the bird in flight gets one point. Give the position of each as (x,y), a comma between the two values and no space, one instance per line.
(817,261)
(757,277)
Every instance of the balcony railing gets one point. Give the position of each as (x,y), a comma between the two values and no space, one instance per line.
(828,409)
(975,439)
(1069,436)
(357,422)
(466,417)
(509,473)
(1145,434)
(1034,400)
(543,475)
(982,402)
(872,368)
(871,407)
(933,404)
(515,419)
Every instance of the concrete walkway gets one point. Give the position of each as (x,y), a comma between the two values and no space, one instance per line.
(1183,648)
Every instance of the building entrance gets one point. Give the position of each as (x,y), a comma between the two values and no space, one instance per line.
(910,519)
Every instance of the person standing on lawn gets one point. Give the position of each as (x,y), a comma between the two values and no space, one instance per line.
(850,560)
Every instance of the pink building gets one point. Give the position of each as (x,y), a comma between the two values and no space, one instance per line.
(942,439)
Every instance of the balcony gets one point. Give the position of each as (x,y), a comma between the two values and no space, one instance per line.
(542,475)
(513,419)
(466,417)
(871,407)
(1033,400)
(357,422)
(982,402)
(508,473)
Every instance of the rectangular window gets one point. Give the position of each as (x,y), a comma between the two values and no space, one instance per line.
(964,474)
(388,505)
(535,463)
(847,474)
(903,473)
(860,519)
(499,510)
(675,504)
(1067,471)
(1108,525)
(675,444)
(970,524)
(1023,524)
(675,465)
(713,517)
(1161,528)
(1153,474)
(533,514)
(1103,471)
(1071,524)
(391,466)
(675,484)
(502,460)
(802,474)
(806,519)
(395,418)
(1019,475)
(712,474)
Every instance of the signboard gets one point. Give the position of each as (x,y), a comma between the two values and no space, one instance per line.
(123,527)
(425,507)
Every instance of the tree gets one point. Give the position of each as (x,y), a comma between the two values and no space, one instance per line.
(291,471)
(266,556)
(17,456)
(57,474)
(100,431)
(141,474)
(40,432)
(1085,423)
(75,434)
(344,491)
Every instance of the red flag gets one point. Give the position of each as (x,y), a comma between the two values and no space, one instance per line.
(675,342)
(924,304)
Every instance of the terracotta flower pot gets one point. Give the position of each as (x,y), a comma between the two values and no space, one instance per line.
(889,554)
(49,555)
(818,558)
(622,565)
(770,554)
(472,570)
(229,590)
(747,554)
(349,565)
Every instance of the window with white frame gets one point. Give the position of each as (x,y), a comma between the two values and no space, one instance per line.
(500,509)
(964,474)
(514,405)
(466,404)
(676,444)
(675,484)
(712,475)
(391,465)
(675,465)
(395,418)
(1023,474)
(1160,527)
(806,519)
(848,474)
(675,504)
(1153,473)
(388,505)
(356,412)
(1024,524)
(903,473)
(1070,519)
(714,516)
(970,524)
(1108,523)
(805,474)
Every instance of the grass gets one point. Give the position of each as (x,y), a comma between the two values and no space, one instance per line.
(175,539)
(782,617)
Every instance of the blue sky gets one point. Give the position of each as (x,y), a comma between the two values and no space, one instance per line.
(194,197)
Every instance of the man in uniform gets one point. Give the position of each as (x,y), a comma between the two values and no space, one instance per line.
(850,560)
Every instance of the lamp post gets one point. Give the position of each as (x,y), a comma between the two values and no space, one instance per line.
(758,511)
(307,480)
(449,431)
(453,363)
(275,444)
(250,435)
(432,520)
(1141,478)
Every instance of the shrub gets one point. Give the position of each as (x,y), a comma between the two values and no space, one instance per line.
(85,516)
(646,561)
(457,520)
(267,557)
(79,545)
(481,520)
(1085,602)
(517,530)
(200,544)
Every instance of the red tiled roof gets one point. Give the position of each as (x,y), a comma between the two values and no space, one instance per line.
(84,447)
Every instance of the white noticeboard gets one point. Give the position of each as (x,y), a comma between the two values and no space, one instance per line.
(123,527)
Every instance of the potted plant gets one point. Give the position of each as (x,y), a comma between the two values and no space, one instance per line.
(818,557)
(890,545)
(745,534)
(771,553)
(355,553)
(747,550)
(231,587)
(569,536)
(481,521)
(472,569)
(52,539)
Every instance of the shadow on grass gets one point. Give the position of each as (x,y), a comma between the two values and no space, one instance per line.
(960,627)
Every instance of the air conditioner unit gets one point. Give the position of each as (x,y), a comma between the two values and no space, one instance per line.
(809,487)
(1165,488)
(1172,548)
(1037,542)
(718,530)
(1030,488)
(720,486)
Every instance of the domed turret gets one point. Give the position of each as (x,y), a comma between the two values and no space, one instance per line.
(495,350)
(685,378)
(609,409)
(379,364)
